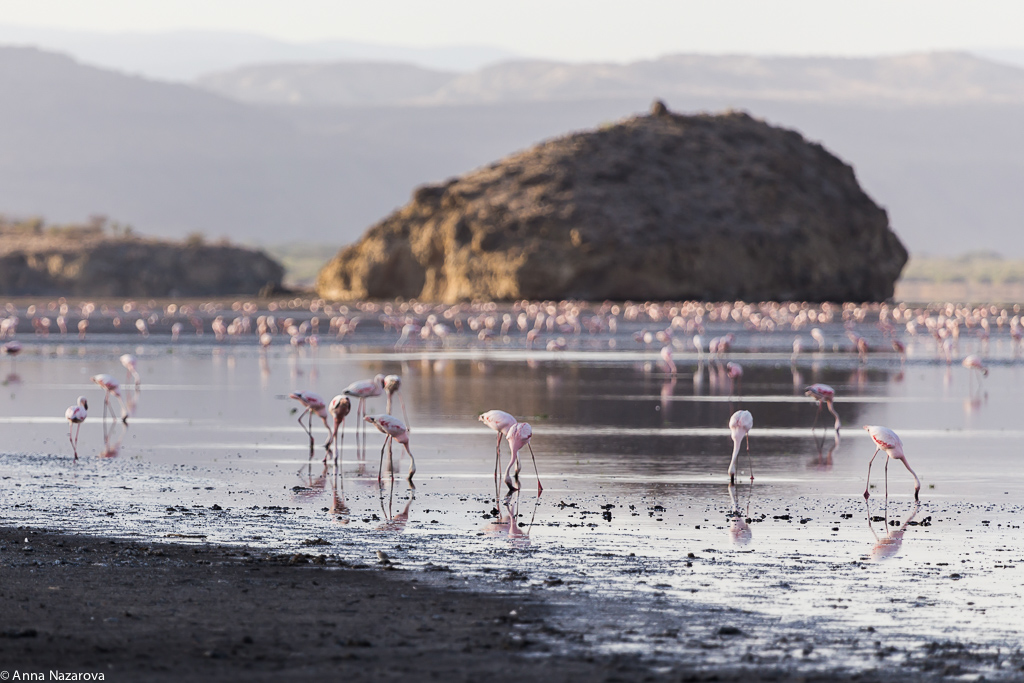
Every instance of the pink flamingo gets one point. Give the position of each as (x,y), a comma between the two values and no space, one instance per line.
(735,373)
(129,363)
(519,435)
(76,415)
(362,390)
(501,422)
(339,408)
(12,349)
(111,387)
(823,393)
(392,386)
(740,425)
(666,355)
(886,440)
(974,364)
(394,430)
(313,404)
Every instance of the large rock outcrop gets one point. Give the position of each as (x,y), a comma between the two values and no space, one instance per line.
(655,207)
(92,265)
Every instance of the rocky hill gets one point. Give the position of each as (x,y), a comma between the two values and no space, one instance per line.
(655,207)
(88,262)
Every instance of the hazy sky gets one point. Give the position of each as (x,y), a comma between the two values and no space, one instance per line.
(568,29)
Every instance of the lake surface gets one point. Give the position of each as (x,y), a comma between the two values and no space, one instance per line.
(633,461)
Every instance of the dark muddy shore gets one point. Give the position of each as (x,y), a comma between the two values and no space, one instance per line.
(141,611)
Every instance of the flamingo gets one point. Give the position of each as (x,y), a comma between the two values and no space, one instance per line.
(394,430)
(12,349)
(364,389)
(886,440)
(519,435)
(798,346)
(339,407)
(312,404)
(901,349)
(735,373)
(501,422)
(973,363)
(823,393)
(76,415)
(740,425)
(129,362)
(392,386)
(819,337)
(111,387)
(666,355)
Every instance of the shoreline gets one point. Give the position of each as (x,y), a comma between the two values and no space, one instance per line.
(157,611)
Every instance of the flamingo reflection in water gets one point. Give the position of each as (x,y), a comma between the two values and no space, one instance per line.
(395,522)
(823,461)
(312,484)
(113,438)
(339,510)
(739,527)
(888,545)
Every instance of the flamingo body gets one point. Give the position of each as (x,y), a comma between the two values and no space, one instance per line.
(519,435)
(888,441)
(395,430)
(76,415)
(824,395)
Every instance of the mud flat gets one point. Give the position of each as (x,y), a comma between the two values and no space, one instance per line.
(155,611)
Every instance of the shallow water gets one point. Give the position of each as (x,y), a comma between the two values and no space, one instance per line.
(633,464)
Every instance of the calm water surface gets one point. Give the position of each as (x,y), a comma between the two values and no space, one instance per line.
(633,464)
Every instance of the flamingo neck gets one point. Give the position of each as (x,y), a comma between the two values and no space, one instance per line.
(736,440)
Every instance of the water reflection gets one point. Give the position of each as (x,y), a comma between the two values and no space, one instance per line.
(113,436)
(739,520)
(339,510)
(392,521)
(889,544)
(823,461)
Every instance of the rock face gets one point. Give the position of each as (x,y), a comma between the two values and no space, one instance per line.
(130,267)
(712,207)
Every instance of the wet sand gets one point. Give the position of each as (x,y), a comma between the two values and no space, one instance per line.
(152,612)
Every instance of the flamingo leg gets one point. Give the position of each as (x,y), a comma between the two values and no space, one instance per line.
(832,410)
(868,480)
(750,460)
(412,463)
(535,470)
(74,446)
(380,469)
(887,459)
(816,416)
(497,459)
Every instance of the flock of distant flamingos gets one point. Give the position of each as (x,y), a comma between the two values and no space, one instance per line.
(518,434)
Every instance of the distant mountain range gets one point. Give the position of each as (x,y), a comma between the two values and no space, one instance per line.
(918,79)
(186,55)
(317,152)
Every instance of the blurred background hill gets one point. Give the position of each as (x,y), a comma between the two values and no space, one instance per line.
(274,143)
